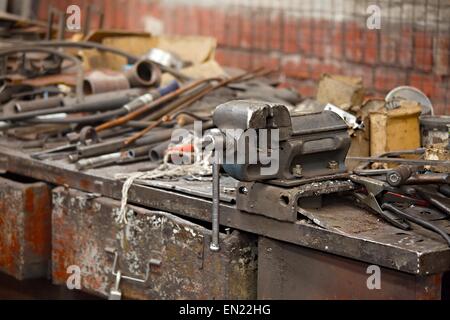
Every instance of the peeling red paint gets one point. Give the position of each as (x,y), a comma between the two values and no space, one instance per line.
(25,231)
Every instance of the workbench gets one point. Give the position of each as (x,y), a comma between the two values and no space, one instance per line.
(324,258)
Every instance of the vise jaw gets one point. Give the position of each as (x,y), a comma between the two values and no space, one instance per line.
(298,147)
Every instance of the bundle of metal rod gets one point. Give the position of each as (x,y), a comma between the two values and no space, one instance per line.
(156,137)
(153,105)
(131,103)
(93,103)
(126,156)
(166,114)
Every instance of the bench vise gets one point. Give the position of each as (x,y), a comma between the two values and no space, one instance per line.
(283,162)
(298,147)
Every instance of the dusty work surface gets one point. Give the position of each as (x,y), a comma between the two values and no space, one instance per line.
(338,228)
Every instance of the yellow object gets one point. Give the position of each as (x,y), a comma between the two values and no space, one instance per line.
(344,92)
(397,129)
(194,49)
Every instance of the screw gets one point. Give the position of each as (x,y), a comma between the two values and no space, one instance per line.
(333,165)
(297,170)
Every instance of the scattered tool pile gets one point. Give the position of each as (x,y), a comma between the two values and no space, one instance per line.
(99,118)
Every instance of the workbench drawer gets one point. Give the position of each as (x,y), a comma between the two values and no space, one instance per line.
(169,256)
(25,230)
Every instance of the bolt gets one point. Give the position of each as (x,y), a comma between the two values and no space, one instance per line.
(297,170)
(333,165)
(243,190)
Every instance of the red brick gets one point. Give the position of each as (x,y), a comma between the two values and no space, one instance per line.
(307,89)
(295,67)
(423,51)
(442,52)
(265,60)
(305,37)
(319,68)
(425,82)
(190,21)
(290,39)
(246,31)
(275,30)
(405,48)
(371,46)
(234,58)
(261,31)
(388,78)
(179,19)
(353,42)
(337,41)
(441,107)
(388,48)
(232,29)
(219,26)
(320,35)
(366,73)
(205,22)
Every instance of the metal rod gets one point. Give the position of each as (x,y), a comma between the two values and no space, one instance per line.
(193,99)
(400,160)
(148,107)
(214,245)
(420,222)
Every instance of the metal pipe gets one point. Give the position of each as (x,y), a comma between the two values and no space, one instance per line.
(38,104)
(98,102)
(156,153)
(100,81)
(143,73)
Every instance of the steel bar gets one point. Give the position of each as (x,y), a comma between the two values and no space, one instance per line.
(400,160)
(150,106)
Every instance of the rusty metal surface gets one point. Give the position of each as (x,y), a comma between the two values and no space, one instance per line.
(286,271)
(83,227)
(25,210)
(284,203)
(385,250)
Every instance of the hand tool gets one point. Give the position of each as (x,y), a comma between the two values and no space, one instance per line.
(440,202)
(423,223)
(373,189)
(87,136)
(349,118)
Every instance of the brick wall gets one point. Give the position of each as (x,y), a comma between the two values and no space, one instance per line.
(304,39)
